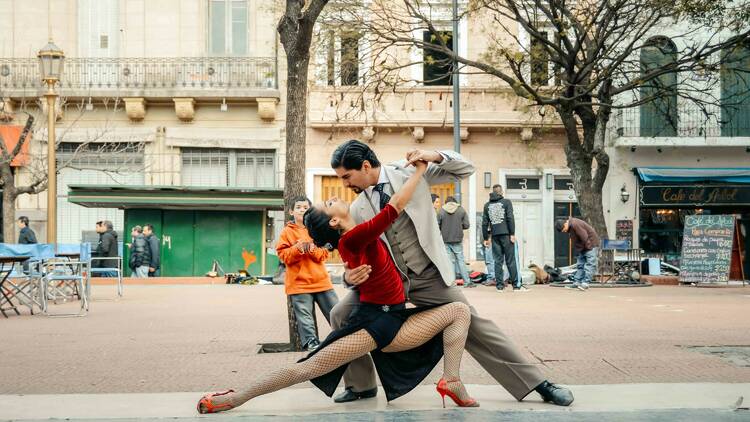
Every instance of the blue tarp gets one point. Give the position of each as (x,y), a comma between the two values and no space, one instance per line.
(685,174)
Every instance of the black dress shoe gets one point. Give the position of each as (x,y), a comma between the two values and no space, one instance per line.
(351,395)
(560,396)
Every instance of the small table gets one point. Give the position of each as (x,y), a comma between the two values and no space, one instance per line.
(6,268)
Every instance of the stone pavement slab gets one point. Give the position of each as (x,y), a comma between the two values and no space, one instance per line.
(306,403)
(167,338)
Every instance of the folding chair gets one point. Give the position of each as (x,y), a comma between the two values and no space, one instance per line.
(617,260)
(117,270)
(64,278)
(22,279)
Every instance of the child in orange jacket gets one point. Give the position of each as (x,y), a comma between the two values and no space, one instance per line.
(307,281)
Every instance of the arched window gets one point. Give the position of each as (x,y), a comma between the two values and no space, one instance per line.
(659,114)
(735,91)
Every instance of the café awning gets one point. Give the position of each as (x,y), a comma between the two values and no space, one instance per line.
(175,197)
(687,174)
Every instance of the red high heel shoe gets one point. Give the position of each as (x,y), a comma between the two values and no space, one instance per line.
(205,405)
(443,390)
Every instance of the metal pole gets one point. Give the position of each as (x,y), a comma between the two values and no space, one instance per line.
(51,166)
(456,95)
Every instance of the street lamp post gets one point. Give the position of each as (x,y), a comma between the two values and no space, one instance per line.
(51,62)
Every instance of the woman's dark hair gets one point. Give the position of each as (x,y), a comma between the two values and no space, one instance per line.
(318,225)
(351,154)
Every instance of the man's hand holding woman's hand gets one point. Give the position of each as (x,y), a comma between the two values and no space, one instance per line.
(413,156)
(356,276)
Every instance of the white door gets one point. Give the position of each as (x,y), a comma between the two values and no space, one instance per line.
(528,216)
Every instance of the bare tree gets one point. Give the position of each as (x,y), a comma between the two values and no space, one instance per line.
(23,169)
(583,60)
(295,30)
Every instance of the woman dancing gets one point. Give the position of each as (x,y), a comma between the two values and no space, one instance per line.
(405,343)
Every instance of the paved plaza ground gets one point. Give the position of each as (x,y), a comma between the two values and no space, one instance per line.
(194,338)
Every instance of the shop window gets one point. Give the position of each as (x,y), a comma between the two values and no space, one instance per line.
(437,66)
(228,168)
(659,114)
(228,27)
(735,91)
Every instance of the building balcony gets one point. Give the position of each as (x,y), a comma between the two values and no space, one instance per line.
(696,127)
(151,78)
(423,107)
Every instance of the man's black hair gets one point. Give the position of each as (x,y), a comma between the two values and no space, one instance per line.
(301,198)
(559,224)
(318,226)
(450,199)
(149,226)
(25,220)
(351,154)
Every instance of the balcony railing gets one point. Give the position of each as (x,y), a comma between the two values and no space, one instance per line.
(146,73)
(692,121)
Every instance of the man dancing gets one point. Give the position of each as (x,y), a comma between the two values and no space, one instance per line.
(417,249)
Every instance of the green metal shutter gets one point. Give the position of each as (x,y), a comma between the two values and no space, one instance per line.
(659,116)
(735,91)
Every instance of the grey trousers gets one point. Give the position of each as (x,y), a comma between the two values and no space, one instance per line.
(486,343)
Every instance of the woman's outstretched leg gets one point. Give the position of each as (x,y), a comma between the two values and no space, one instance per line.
(453,320)
(326,360)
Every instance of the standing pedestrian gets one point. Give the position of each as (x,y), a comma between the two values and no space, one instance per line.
(140,256)
(499,229)
(453,220)
(307,281)
(435,202)
(586,245)
(106,248)
(26,236)
(154,267)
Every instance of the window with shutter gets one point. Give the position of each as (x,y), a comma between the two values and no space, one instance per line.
(659,114)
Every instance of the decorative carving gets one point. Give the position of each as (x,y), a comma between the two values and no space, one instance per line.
(184,108)
(418,134)
(527,134)
(267,108)
(135,108)
(464,134)
(7,109)
(368,133)
(58,107)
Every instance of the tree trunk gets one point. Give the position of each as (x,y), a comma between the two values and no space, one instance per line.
(580,162)
(297,47)
(9,204)
(296,127)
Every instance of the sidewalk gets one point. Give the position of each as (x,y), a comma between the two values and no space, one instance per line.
(311,404)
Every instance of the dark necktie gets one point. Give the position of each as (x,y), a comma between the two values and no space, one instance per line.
(384,197)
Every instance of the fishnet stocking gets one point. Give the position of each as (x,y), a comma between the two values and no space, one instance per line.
(326,360)
(453,319)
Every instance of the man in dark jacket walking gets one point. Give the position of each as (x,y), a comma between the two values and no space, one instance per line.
(154,267)
(498,223)
(107,247)
(586,244)
(26,236)
(140,254)
(453,220)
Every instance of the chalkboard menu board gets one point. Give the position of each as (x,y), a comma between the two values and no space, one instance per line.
(624,230)
(707,248)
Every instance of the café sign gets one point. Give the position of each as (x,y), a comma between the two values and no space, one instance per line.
(696,195)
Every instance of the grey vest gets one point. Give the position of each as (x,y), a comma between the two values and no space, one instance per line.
(404,243)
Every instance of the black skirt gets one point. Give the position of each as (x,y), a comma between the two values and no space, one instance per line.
(399,372)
